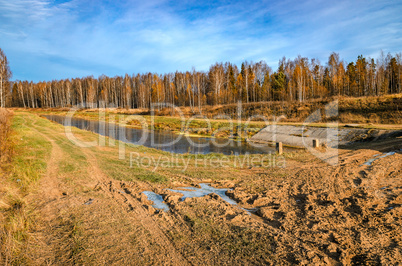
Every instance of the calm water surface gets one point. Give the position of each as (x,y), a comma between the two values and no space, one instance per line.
(164,140)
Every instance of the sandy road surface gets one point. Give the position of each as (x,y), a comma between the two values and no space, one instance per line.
(51,203)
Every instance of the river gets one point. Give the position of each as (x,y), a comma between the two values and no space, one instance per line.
(165,140)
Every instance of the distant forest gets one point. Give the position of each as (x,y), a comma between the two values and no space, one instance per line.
(294,80)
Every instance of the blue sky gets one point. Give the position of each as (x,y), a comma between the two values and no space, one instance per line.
(48,39)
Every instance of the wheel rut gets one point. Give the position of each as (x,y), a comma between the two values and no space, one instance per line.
(138,213)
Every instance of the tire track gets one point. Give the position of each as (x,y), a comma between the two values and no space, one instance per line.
(137,211)
(140,214)
(48,202)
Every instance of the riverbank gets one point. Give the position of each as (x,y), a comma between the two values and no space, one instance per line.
(385,109)
(238,130)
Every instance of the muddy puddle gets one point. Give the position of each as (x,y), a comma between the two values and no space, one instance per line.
(379,156)
(193,192)
(157,199)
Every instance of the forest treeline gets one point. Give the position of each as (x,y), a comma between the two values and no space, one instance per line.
(299,79)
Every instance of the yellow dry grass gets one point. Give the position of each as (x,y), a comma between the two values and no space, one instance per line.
(5,130)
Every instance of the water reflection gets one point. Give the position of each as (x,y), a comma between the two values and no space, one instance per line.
(205,189)
(157,200)
(164,140)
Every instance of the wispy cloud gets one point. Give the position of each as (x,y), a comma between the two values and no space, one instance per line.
(46,39)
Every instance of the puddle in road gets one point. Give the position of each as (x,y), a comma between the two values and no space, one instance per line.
(191,192)
(157,199)
(377,156)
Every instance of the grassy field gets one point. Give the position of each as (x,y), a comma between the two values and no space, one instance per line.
(65,204)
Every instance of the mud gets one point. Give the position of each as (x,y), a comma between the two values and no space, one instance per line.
(191,192)
(379,156)
(348,214)
(157,200)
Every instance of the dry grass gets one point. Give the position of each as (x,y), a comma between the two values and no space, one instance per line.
(5,130)
(385,109)
(10,204)
(23,162)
